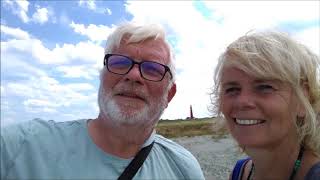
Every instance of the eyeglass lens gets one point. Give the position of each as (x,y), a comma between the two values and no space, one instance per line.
(149,70)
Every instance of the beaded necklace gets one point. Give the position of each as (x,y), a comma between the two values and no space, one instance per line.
(296,166)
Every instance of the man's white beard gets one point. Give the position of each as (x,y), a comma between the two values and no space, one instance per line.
(112,111)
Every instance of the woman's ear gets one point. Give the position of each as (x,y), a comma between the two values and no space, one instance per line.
(305,90)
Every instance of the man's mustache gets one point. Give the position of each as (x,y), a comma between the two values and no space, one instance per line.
(130,90)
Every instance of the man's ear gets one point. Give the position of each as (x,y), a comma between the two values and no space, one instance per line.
(172,92)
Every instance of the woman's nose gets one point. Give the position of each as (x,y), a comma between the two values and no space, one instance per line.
(245,100)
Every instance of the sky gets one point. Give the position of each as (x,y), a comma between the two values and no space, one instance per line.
(52,51)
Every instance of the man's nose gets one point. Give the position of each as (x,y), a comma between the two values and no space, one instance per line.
(134,74)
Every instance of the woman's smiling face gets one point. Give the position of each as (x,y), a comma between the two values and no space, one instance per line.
(259,112)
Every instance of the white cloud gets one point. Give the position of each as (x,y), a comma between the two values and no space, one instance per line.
(38,102)
(310,37)
(7,3)
(47,92)
(19,8)
(39,92)
(41,15)
(195,47)
(80,87)
(5,121)
(64,19)
(19,89)
(83,51)
(23,4)
(264,13)
(201,35)
(48,110)
(23,10)
(44,97)
(10,62)
(16,33)
(36,49)
(3,21)
(199,39)
(90,4)
(109,12)
(78,71)
(93,32)
(4,105)
(39,109)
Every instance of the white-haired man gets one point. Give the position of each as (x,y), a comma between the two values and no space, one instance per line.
(136,85)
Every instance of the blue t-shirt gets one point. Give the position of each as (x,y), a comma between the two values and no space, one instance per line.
(64,150)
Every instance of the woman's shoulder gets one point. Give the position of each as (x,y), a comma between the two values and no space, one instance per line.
(314,172)
(238,169)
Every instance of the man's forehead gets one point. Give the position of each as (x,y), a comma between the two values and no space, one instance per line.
(156,48)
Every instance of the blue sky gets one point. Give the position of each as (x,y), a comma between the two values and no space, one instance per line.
(52,51)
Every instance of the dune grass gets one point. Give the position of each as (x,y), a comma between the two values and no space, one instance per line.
(190,128)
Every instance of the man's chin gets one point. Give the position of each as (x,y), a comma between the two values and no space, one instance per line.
(131,118)
(129,113)
(129,108)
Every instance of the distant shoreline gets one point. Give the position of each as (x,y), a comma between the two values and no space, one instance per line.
(191,127)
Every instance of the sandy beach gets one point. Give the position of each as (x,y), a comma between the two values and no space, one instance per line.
(216,156)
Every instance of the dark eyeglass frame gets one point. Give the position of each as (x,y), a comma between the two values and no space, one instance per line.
(166,68)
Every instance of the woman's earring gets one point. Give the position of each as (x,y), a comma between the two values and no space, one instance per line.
(300,120)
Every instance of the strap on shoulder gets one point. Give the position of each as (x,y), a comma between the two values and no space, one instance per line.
(238,169)
(136,163)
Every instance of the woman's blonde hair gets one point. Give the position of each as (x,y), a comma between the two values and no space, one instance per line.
(274,55)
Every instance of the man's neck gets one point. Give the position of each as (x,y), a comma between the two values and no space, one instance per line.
(118,140)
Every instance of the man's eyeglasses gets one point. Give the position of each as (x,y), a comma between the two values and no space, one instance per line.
(149,70)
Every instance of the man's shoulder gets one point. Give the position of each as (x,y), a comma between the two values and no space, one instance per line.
(173,148)
(37,125)
(181,157)
(168,142)
(37,140)
(38,128)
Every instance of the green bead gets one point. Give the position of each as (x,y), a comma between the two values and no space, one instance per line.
(297,164)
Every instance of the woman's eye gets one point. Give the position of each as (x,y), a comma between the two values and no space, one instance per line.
(265,88)
(231,90)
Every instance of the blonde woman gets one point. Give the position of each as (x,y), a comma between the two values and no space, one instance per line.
(267,88)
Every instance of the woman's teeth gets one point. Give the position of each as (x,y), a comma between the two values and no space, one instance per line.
(248,122)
